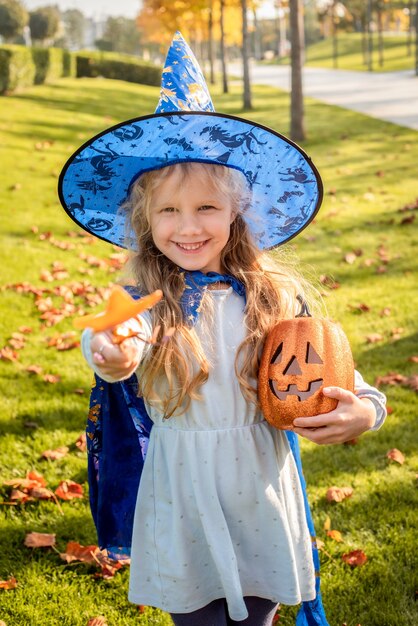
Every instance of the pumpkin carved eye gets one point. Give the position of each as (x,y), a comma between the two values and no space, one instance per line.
(295,367)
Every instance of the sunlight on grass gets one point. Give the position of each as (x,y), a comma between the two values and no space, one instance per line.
(369,172)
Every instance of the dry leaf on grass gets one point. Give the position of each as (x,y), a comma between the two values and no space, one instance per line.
(56,454)
(338,494)
(81,442)
(68,490)
(8,584)
(396,455)
(97,621)
(335,534)
(356,558)
(76,552)
(39,540)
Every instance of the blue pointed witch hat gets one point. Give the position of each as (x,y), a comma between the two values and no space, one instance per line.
(286,189)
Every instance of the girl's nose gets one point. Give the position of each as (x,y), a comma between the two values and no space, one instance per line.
(188,224)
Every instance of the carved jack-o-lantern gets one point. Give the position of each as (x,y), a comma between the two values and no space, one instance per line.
(301,356)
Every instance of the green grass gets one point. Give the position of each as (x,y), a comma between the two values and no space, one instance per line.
(350,53)
(369,171)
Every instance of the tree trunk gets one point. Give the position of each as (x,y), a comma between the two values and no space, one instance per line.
(245,57)
(380,34)
(334,35)
(223,50)
(297,124)
(416,38)
(369,36)
(258,53)
(211,45)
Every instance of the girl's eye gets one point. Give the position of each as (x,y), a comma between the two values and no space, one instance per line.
(168,209)
(206,207)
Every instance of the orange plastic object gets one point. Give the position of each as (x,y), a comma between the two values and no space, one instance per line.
(120,307)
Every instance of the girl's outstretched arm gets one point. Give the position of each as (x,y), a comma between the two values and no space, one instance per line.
(115,362)
(354,414)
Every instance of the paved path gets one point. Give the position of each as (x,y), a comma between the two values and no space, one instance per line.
(391,96)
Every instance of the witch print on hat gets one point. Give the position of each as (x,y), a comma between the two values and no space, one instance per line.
(285,187)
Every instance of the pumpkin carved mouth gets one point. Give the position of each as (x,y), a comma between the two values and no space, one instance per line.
(292,390)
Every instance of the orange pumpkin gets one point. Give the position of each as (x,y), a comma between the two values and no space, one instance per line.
(301,356)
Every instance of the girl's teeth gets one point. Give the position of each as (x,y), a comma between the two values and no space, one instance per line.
(193,246)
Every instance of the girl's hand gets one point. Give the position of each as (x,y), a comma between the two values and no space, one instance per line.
(352,417)
(116,361)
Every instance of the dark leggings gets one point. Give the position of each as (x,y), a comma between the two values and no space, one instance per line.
(261,613)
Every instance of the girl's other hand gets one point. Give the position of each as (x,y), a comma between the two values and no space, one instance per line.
(114,360)
(352,417)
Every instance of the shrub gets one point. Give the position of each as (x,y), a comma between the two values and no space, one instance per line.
(118,67)
(17,68)
(48,63)
(69,66)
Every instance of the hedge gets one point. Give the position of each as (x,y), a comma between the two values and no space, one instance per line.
(17,68)
(48,63)
(108,65)
(69,64)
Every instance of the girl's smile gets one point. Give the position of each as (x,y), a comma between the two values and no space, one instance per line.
(190,221)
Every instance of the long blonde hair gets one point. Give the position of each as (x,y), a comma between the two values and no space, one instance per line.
(271,289)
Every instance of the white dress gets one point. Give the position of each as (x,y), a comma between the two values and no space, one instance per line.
(220,510)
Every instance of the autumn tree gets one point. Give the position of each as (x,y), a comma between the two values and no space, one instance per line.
(120,34)
(44,23)
(297,124)
(74,24)
(245,57)
(13,19)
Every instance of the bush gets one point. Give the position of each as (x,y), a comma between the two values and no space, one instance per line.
(17,68)
(68,64)
(49,64)
(92,65)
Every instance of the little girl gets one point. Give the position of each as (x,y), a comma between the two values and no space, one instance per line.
(220,533)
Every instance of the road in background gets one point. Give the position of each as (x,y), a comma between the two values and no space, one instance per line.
(390,96)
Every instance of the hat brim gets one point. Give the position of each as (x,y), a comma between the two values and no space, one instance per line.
(286,187)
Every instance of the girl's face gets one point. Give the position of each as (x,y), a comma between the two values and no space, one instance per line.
(190,221)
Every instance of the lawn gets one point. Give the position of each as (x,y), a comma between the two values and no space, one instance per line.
(396,55)
(360,251)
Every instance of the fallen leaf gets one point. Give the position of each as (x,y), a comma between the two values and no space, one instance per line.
(338,494)
(42,493)
(25,329)
(335,534)
(385,312)
(407,220)
(56,454)
(329,282)
(393,378)
(327,523)
(396,455)
(374,338)
(412,382)
(34,369)
(7,354)
(362,308)
(81,442)
(39,540)
(97,621)
(350,257)
(51,378)
(76,552)
(8,584)
(68,490)
(413,359)
(319,544)
(20,496)
(356,558)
